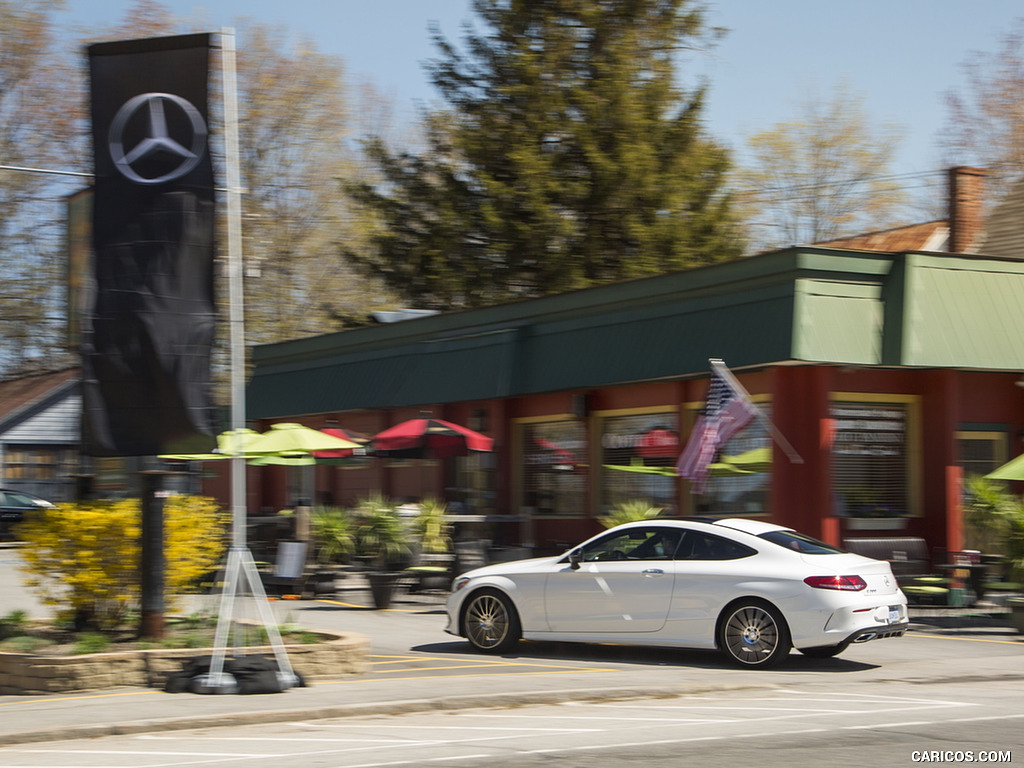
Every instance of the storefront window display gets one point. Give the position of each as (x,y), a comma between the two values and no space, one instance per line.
(474,492)
(638,456)
(739,481)
(871,459)
(555,467)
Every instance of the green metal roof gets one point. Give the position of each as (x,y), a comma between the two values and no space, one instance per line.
(963,313)
(802,304)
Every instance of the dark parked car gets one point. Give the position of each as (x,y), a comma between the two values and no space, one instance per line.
(13,506)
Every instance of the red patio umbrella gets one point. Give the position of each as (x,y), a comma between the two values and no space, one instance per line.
(429,438)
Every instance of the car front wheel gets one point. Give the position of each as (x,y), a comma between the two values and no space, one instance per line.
(753,633)
(490,622)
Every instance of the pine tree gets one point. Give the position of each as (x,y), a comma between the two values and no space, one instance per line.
(569,156)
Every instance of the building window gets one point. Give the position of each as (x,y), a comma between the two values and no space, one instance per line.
(475,490)
(739,478)
(638,456)
(980,452)
(555,470)
(23,462)
(872,457)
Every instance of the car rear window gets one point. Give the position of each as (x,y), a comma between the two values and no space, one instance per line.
(803,544)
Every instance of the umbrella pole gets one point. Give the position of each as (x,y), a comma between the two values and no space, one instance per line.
(240,564)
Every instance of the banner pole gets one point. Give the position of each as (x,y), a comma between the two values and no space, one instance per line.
(235,295)
(240,565)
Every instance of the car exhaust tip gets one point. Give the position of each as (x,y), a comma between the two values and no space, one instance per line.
(863,638)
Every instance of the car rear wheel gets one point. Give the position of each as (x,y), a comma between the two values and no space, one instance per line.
(490,622)
(752,633)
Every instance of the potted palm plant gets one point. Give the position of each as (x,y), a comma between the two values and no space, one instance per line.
(433,544)
(382,540)
(1001,516)
(333,532)
(631,511)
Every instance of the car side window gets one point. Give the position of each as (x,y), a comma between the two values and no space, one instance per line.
(697,545)
(633,544)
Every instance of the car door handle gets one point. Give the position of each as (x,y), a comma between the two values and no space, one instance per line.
(654,572)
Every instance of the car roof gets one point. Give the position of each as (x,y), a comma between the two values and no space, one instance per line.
(753,527)
(744,525)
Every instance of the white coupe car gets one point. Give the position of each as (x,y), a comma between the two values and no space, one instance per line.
(749,588)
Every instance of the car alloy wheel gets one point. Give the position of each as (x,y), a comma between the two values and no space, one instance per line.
(754,634)
(490,622)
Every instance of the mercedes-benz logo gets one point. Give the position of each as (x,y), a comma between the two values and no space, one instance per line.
(163,156)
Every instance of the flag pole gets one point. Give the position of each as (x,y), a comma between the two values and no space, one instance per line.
(723,371)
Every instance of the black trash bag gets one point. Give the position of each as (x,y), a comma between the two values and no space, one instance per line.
(253,674)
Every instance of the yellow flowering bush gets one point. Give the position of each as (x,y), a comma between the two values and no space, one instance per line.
(195,537)
(84,558)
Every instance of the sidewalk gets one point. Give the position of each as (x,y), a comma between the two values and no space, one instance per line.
(416,667)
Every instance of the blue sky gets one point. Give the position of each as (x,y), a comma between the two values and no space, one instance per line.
(901,55)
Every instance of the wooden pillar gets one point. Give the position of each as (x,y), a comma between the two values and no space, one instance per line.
(802,491)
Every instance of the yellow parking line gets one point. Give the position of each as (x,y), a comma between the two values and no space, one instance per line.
(420,609)
(395,659)
(473,663)
(78,698)
(564,671)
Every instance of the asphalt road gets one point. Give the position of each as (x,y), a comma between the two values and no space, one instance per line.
(948,692)
(892,724)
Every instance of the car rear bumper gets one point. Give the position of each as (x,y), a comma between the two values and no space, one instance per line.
(879,632)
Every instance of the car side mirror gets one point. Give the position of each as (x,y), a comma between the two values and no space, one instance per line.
(574,559)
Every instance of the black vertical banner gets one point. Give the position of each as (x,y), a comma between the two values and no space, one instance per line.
(148,337)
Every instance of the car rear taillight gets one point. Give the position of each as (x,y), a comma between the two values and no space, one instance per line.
(843,583)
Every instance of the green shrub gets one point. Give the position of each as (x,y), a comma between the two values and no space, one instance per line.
(24,644)
(13,624)
(90,642)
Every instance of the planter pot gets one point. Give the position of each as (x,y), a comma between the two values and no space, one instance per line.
(382,586)
(1016,606)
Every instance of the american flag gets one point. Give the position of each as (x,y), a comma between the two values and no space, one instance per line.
(728,410)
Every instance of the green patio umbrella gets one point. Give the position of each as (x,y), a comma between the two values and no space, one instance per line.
(224,450)
(1012,470)
(752,462)
(285,459)
(286,438)
(638,467)
(747,463)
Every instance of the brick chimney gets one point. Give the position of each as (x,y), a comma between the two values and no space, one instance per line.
(966,208)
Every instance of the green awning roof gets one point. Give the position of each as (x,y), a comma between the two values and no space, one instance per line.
(813,305)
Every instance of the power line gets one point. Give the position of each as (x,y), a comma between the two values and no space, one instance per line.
(47,171)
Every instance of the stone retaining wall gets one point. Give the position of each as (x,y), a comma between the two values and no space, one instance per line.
(25,673)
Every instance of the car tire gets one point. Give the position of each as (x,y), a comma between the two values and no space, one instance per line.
(490,622)
(824,651)
(752,633)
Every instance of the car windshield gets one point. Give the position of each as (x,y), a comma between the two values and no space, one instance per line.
(802,544)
